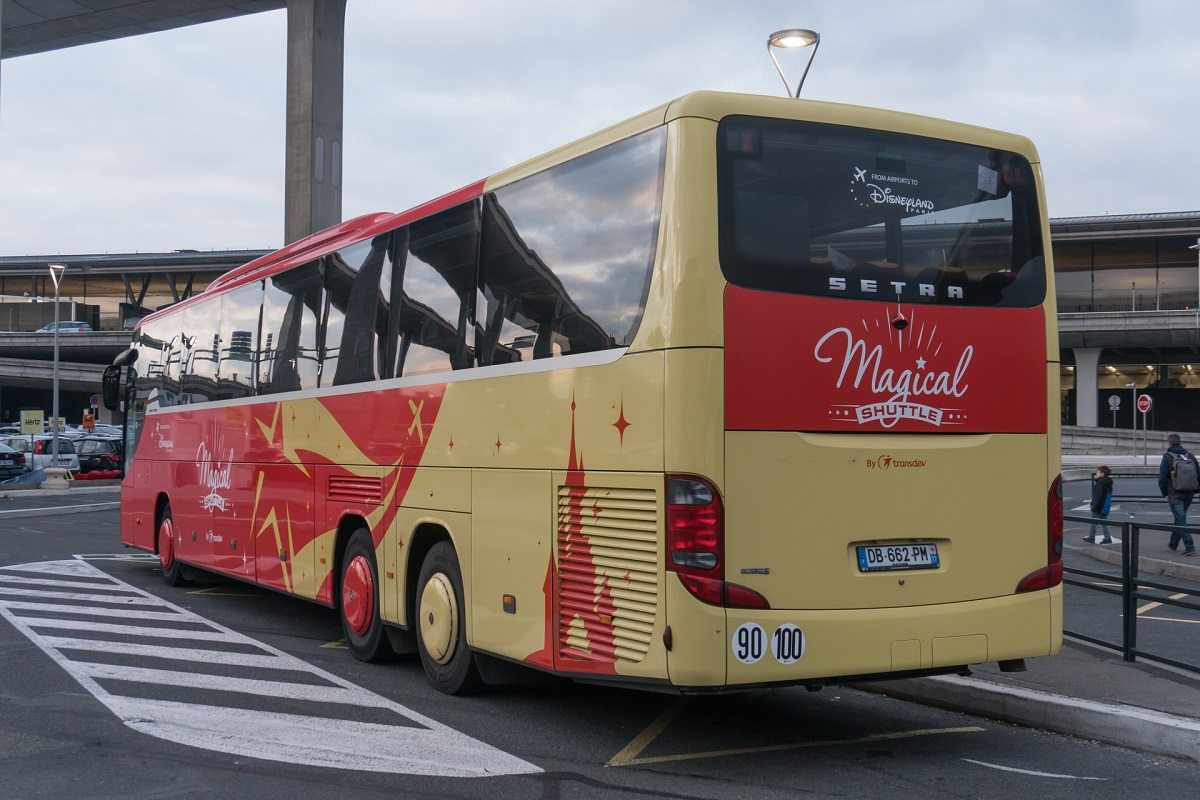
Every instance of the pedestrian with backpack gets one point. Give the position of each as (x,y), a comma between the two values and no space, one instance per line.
(1102,494)
(1178,480)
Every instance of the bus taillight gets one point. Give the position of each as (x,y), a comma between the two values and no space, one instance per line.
(1050,575)
(696,543)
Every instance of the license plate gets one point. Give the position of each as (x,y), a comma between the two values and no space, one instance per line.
(922,555)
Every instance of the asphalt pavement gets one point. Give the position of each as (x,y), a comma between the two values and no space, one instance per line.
(1085,691)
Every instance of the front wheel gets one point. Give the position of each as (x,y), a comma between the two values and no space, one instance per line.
(441,624)
(172,570)
(360,600)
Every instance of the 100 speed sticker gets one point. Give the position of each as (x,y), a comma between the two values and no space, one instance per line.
(750,643)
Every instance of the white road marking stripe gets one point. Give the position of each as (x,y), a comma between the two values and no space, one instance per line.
(84,597)
(285,689)
(338,743)
(65,567)
(123,613)
(133,630)
(282,661)
(22,580)
(1033,772)
(320,742)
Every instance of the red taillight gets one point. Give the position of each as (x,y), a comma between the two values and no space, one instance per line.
(695,527)
(696,543)
(1050,575)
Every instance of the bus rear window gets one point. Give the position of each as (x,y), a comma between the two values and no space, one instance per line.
(850,212)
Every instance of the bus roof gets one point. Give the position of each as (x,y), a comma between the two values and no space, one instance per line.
(703,104)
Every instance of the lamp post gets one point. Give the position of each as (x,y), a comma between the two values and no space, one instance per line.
(792,39)
(56,273)
(1196,247)
(1133,411)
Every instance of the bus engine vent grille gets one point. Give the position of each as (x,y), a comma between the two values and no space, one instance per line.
(607,573)
(355,489)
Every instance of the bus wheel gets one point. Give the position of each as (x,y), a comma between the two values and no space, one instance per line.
(360,600)
(172,570)
(441,624)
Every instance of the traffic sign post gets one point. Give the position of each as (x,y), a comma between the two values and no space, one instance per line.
(1114,405)
(1144,404)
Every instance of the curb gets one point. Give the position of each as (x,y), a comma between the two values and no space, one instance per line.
(1121,725)
(1146,564)
(59,510)
(20,494)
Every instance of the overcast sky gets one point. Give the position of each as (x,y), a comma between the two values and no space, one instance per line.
(175,140)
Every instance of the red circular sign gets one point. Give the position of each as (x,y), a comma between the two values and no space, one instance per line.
(1144,403)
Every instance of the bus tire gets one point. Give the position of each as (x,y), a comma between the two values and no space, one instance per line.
(441,624)
(172,569)
(359,595)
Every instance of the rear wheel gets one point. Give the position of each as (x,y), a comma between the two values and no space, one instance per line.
(442,626)
(360,600)
(172,570)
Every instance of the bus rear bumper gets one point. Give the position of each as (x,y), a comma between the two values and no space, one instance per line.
(782,646)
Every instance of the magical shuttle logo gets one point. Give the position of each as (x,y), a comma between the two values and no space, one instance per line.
(885,375)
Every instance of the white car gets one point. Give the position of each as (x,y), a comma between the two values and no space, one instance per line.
(37,451)
(70,326)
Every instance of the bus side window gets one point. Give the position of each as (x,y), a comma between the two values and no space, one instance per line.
(567,253)
(239,315)
(288,352)
(357,283)
(438,269)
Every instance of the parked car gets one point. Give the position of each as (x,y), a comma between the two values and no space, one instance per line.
(37,452)
(98,453)
(12,462)
(70,326)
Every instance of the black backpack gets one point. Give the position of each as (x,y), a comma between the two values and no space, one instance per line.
(1185,473)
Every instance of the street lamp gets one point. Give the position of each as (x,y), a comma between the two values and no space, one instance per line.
(56,273)
(1196,247)
(792,39)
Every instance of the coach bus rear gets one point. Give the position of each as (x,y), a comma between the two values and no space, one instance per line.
(885,497)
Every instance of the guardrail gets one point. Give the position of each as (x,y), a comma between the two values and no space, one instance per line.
(1131,591)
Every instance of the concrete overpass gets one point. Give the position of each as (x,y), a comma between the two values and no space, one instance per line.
(76,378)
(315,47)
(75,348)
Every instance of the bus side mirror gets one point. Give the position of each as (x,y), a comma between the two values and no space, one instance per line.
(111,386)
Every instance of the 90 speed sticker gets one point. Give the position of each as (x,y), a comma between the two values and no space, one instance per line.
(749,643)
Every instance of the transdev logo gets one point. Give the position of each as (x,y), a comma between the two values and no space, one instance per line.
(887,375)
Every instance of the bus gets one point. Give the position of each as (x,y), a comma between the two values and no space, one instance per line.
(740,392)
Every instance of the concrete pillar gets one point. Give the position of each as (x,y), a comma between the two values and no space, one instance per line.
(313,160)
(1087,386)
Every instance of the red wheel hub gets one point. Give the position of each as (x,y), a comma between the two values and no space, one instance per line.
(166,543)
(358,595)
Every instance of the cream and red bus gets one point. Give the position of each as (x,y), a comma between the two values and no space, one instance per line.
(743,391)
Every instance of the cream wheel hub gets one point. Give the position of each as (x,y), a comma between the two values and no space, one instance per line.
(438,617)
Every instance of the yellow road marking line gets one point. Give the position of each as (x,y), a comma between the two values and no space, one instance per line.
(629,753)
(339,644)
(1172,619)
(1151,606)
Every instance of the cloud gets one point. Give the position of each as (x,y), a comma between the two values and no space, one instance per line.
(176,139)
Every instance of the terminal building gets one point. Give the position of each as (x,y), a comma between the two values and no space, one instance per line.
(1128,308)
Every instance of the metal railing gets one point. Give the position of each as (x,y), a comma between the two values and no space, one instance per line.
(1132,590)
